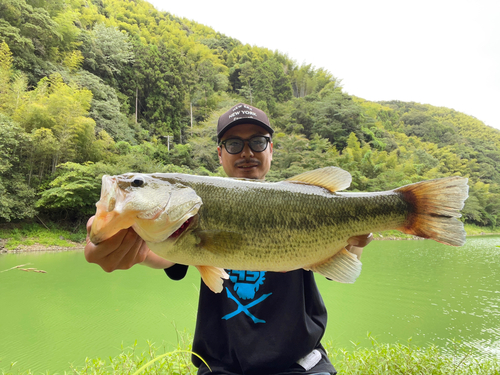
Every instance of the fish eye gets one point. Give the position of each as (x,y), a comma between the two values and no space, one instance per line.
(137,182)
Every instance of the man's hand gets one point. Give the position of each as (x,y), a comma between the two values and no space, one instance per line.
(122,251)
(357,243)
(119,252)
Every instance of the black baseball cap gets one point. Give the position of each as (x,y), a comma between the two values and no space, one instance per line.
(242,114)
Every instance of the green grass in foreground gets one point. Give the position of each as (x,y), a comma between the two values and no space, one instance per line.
(33,233)
(408,359)
(376,359)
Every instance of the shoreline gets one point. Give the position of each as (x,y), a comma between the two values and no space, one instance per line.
(80,246)
(41,248)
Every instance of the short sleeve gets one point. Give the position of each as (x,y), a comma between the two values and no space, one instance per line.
(177,271)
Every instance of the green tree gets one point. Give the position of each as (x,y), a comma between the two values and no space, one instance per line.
(160,75)
(105,107)
(64,110)
(430,129)
(306,80)
(32,36)
(16,196)
(40,159)
(205,79)
(5,76)
(73,193)
(13,85)
(107,52)
(335,116)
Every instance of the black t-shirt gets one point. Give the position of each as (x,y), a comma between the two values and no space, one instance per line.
(261,323)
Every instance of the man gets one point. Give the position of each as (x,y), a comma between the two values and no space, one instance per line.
(262,322)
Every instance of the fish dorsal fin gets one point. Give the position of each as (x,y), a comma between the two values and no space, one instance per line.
(330,178)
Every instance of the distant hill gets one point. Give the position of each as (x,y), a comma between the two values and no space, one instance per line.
(93,87)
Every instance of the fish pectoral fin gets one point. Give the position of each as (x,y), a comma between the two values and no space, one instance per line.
(212,277)
(331,178)
(343,267)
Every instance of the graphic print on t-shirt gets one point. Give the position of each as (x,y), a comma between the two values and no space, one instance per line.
(246,286)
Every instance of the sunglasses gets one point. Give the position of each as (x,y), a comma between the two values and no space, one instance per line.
(235,145)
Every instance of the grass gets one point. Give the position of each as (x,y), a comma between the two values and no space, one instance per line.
(474,230)
(28,234)
(407,359)
(470,230)
(177,362)
(372,359)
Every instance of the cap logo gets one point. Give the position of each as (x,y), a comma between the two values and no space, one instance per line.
(239,106)
(238,114)
(248,113)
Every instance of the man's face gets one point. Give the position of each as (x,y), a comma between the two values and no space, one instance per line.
(246,164)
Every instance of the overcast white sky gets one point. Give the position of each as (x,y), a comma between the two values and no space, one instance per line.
(441,52)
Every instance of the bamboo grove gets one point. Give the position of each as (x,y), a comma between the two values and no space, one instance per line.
(93,87)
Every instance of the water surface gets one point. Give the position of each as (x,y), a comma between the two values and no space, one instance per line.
(421,290)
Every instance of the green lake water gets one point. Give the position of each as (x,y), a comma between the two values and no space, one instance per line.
(421,290)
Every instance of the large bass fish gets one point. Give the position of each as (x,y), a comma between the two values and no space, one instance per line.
(303,222)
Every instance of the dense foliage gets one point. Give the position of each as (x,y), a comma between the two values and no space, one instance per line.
(93,87)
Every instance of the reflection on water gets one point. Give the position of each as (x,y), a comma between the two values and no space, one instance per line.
(421,290)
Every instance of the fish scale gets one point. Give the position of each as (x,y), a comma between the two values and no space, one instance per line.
(270,234)
(303,222)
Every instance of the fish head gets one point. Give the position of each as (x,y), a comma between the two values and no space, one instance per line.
(155,206)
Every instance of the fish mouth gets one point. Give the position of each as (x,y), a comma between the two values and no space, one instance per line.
(188,224)
(108,221)
(155,210)
(110,218)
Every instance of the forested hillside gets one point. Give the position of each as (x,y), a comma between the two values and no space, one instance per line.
(89,87)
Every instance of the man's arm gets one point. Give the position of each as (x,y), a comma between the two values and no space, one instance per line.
(122,251)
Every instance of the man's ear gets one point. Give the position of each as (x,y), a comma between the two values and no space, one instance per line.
(219,152)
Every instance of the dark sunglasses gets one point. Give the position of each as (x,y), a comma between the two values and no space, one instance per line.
(235,145)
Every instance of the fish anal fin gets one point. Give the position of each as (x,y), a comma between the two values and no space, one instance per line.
(343,267)
(330,178)
(213,277)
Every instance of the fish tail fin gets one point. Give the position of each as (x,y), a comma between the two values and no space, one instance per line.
(435,207)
